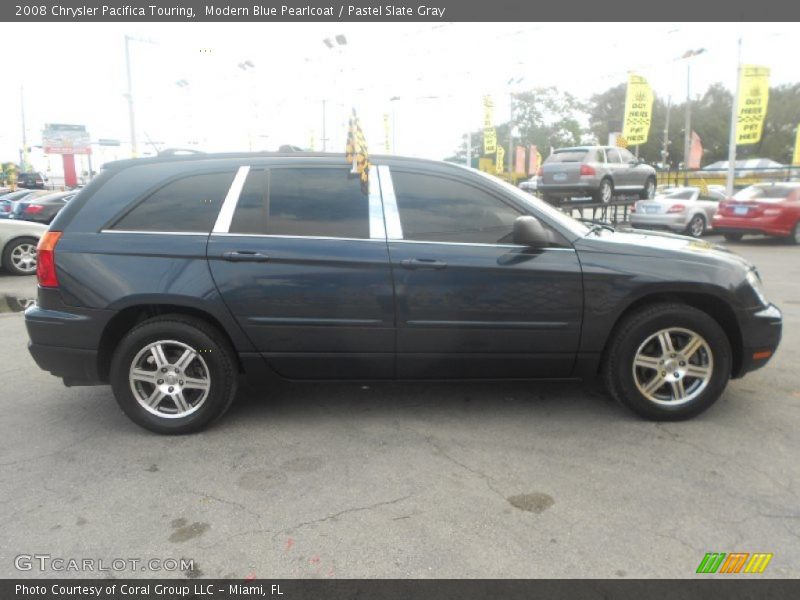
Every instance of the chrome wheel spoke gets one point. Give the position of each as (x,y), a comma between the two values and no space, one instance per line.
(652,386)
(698,371)
(180,401)
(158,355)
(646,362)
(154,399)
(186,358)
(678,390)
(692,346)
(144,375)
(195,384)
(665,340)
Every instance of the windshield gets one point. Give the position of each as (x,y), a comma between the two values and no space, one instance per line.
(567,156)
(577,228)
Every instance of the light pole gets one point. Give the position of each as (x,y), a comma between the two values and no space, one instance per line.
(731,175)
(687,134)
(24,153)
(129,95)
(512,81)
(247,66)
(335,44)
(393,100)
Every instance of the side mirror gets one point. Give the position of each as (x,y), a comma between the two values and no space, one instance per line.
(528,231)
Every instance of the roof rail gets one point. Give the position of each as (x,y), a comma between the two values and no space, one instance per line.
(178,151)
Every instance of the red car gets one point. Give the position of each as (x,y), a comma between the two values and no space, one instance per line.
(765,209)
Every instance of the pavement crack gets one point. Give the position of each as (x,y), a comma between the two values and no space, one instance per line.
(224,501)
(477,472)
(347,511)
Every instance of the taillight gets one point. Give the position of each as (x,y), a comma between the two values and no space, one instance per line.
(587,170)
(33,209)
(46,259)
(676,208)
(540,172)
(6,208)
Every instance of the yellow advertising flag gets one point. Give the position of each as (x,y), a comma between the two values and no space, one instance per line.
(498,164)
(752,106)
(489,140)
(488,112)
(796,158)
(638,110)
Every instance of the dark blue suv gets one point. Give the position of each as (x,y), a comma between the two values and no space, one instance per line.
(171,277)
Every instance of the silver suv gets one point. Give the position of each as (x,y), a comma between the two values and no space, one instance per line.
(596,171)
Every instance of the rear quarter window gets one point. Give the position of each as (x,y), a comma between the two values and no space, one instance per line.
(187,204)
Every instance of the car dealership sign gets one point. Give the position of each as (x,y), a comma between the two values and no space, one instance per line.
(60,138)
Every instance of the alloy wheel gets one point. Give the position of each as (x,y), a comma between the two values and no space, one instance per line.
(697,226)
(605,191)
(23,257)
(673,366)
(651,189)
(169,379)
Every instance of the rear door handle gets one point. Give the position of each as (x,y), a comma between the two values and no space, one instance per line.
(245,256)
(422,263)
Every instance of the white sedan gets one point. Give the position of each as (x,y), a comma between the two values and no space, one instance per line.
(18,240)
(684,210)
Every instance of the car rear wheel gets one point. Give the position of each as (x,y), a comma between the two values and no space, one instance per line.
(795,237)
(697,226)
(667,362)
(174,374)
(733,237)
(553,200)
(605,193)
(649,191)
(19,256)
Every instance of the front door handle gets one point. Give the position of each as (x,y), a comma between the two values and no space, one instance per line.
(422,263)
(245,256)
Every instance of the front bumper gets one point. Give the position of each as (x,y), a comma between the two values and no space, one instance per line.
(761,333)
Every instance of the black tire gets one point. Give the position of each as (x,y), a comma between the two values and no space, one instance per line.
(733,237)
(634,330)
(598,195)
(215,352)
(649,190)
(794,238)
(8,262)
(696,227)
(552,200)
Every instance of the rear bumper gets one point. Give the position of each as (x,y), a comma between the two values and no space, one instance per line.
(580,188)
(673,222)
(761,334)
(65,340)
(777,226)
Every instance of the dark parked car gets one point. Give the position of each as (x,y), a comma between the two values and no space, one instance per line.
(8,202)
(41,209)
(33,180)
(596,171)
(169,277)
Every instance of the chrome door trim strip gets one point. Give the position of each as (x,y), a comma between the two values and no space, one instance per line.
(225,216)
(298,237)
(394,230)
(203,233)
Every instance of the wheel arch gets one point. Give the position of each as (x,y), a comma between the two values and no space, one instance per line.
(714,306)
(130,316)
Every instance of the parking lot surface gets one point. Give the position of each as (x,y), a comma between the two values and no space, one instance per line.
(406,480)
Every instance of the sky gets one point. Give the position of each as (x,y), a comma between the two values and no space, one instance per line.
(437,74)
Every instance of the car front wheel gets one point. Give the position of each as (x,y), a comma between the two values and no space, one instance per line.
(174,374)
(649,191)
(667,362)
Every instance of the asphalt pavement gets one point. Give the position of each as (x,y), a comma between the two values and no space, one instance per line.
(405,480)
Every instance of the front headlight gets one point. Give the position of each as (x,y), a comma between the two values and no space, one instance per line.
(755,282)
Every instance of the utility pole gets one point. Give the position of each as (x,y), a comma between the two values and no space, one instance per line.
(665,146)
(732,136)
(687,134)
(24,154)
(510,135)
(468,135)
(131,116)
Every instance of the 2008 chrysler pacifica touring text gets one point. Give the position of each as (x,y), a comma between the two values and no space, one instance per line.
(170,277)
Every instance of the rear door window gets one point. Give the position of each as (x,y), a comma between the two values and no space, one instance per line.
(613,156)
(306,202)
(188,204)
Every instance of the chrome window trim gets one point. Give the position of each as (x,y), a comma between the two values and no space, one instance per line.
(377,225)
(296,237)
(394,230)
(204,233)
(225,216)
(480,244)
